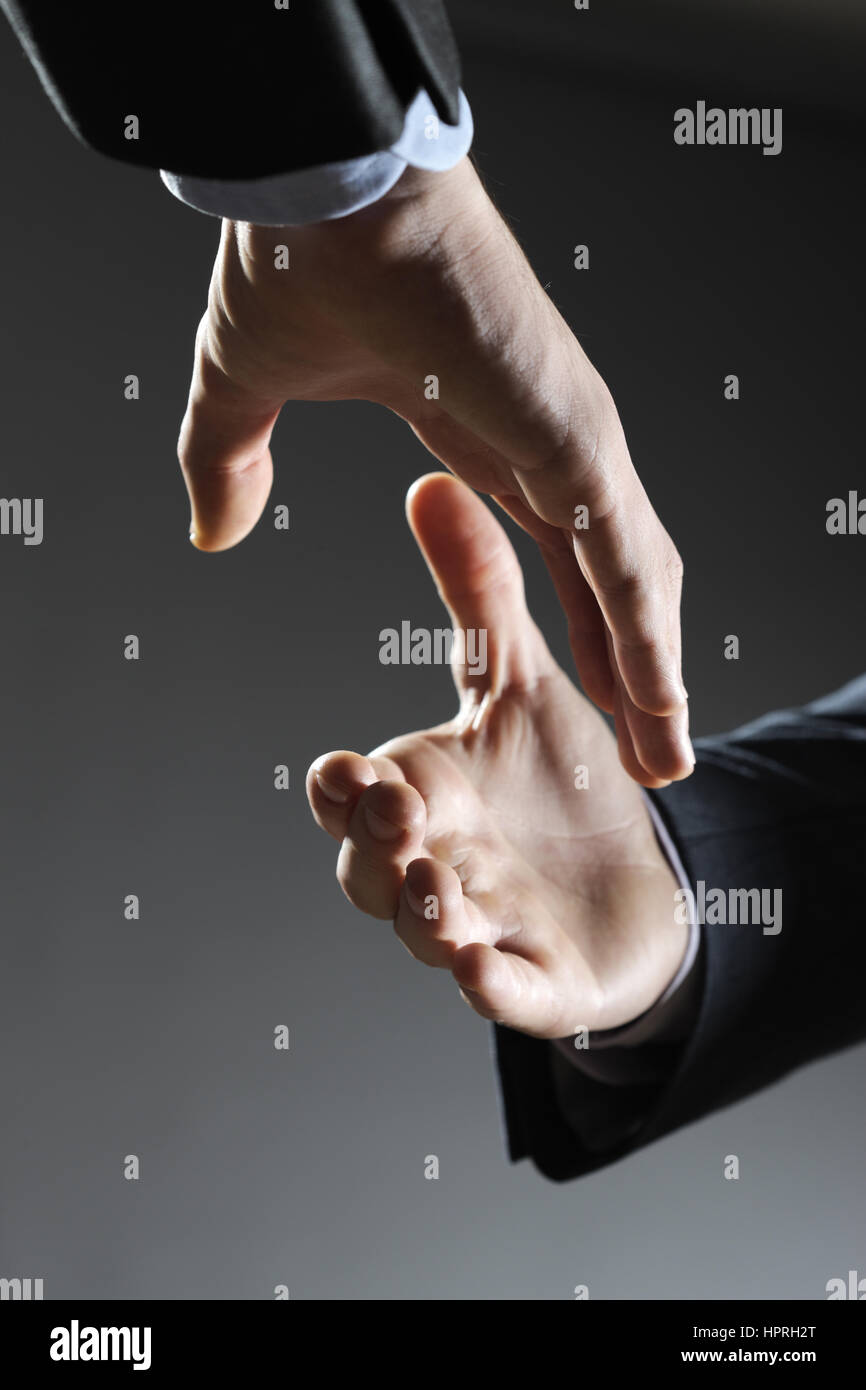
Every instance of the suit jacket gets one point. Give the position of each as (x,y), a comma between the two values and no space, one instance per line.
(234,89)
(780,803)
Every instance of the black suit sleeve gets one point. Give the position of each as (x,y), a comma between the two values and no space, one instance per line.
(239,89)
(779,804)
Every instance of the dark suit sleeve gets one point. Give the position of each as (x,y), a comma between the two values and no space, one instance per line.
(779,804)
(239,89)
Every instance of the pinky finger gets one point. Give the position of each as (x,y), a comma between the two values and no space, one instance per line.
(506,988)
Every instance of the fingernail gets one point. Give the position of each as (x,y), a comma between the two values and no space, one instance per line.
(381,829)
(330,791)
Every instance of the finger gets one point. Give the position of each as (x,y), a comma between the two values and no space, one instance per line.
(386,830)
(655,749)
(625,744)
(638,587)
(480,582)
(481,466)
(590,489)
(507,988)
(223,452)
(635,575)
(433,919)
(661,743)
(334,783)
(586,627)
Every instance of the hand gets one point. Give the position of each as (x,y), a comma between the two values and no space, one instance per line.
(552,906)
(429,282)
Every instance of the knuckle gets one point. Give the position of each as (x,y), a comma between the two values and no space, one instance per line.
(622,584)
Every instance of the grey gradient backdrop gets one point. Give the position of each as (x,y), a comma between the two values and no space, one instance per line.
(155,777)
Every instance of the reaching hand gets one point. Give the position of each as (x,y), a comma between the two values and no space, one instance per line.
(550,902)
(427,284)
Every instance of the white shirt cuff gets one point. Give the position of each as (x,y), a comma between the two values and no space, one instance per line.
(332,190)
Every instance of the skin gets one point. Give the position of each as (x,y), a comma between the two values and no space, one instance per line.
(429,280)
(555,904)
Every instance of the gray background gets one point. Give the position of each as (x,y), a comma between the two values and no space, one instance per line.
(155,1038)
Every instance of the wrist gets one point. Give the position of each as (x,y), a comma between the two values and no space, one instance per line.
(415,211)
(417,219)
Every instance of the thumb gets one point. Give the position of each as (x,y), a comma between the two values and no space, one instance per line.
(224,454)
(479,580)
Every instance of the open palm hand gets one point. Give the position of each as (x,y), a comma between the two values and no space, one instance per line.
(508,845)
